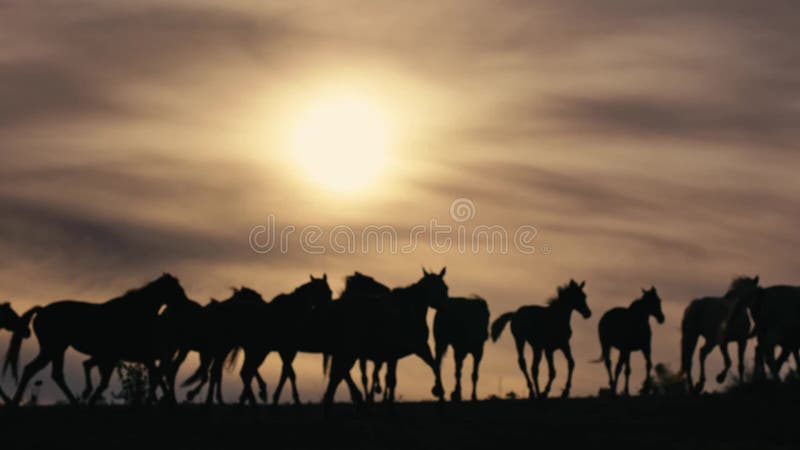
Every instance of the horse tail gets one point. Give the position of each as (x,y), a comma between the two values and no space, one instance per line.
(689,335)
(22,332)
(500,323)
(326,358)
(230,360)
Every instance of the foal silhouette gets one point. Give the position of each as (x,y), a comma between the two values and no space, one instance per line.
(628,330)
(545,328)
(719,322)
(464,324)
(119,329)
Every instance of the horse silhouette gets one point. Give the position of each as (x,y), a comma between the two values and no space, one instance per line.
(227,322)
(462,323)
(11,321)
(119,329)
(628,330)
(262,327)
(382,331)
(717,320)
(362,290)
(180,328)
(776,313)
(545,328)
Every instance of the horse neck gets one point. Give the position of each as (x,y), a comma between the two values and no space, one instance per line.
(561,311)
(411,298)
(638,308)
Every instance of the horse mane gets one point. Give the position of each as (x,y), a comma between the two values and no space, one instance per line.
(737,283)
(555,301)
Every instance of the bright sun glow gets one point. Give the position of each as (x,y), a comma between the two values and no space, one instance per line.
(341,142)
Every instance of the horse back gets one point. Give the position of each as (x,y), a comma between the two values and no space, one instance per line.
(621,328)
(462,320)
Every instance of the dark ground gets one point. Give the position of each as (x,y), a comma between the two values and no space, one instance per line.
(743,420)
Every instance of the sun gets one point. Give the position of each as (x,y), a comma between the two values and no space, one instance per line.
(341,142)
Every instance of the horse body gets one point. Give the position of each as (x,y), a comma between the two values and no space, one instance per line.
(384,331)
(719,322)
(462,323)
(776,312)
(116,330)
(628,330)
(546,329)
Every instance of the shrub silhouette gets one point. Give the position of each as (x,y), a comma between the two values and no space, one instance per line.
(665,382)
(134,384)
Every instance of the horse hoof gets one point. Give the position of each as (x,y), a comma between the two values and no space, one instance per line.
(474,398)
(565,393)
(721,378)
(377,389)
(455,396)
(438,391)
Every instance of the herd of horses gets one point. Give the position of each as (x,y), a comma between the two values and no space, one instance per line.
(157,325)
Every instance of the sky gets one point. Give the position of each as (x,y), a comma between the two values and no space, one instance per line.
(648,143)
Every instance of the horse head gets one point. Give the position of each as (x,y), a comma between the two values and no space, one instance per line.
(168,289)
(652,304)
(572,295)
(360,285)
(435,290)
(316,292)
(11,321)
(744,289)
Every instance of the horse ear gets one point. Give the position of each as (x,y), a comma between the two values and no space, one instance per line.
(325,276)
(424,272)
(583,283)
(644,291)
(756,279)
(444,269)
(311,277)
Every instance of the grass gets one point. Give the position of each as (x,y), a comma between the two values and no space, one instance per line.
(741,420)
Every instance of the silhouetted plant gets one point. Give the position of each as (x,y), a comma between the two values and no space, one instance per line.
(134,384)
(665,382)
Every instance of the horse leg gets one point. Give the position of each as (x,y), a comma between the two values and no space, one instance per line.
(205,364)
(523,366)
(648,367)
(769,357)
(293,381)
(171,372)
(441,350)
(796,354)
(252,361)
(741,346)
(87,373)
(262,387)
(424,353)
(551,372)
(31,369)
(570,368)
(704,351)
(106,369)
(276,396)
(477,355)
(627,373)
(57,373)
(618,369)
(355,394)
(376,377)
(607,362)
(726,357)
(458,356)
(537,359)
(362,366)
(340,366)
(391,381)
(783,357)
(215,383)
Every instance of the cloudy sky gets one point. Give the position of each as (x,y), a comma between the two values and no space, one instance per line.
(649,143)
